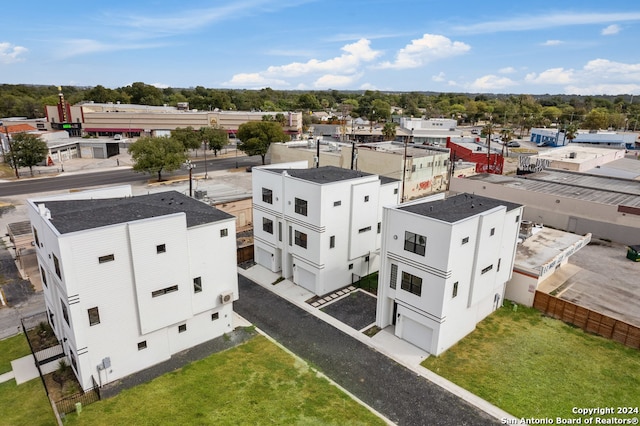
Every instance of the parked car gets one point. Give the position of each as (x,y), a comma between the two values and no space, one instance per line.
(513,144)
(475,132)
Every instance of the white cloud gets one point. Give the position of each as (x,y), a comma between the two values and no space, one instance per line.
(604,69)
(551,76)
(439,78)
(421,51)
(335,72)
(368,86)
(602,89)
(533,22)
(331,81)
(491,82)
(82,46)
(611,30)
(507,70)
(254,80)
(552,42)
(10,54)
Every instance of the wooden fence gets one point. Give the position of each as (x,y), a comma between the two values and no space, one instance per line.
(588,320)
(245,253)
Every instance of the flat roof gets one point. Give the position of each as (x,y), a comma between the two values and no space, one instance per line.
(587,180)
(324,174)
(544,246)
(567,190)
(582,153)
(457,207)
(79,215)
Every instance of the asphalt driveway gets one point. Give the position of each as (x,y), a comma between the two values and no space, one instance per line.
(388,387)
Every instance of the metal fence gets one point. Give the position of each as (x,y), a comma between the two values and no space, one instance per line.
(69,404)
(588,320)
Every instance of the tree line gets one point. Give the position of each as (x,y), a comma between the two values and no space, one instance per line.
(514,110)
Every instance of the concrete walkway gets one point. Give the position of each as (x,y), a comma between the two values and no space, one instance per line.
(384,341)
(24,369)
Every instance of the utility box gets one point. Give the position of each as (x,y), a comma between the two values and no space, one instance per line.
(633,253)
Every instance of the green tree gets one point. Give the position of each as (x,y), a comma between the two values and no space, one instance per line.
(187,136)
(571,132)
(214,137)
(389,131)
(256,136)
(28,150)
(156,154)
(597,118)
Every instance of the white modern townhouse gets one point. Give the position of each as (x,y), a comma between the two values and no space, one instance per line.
(319,227)
(444,266)
(130,281)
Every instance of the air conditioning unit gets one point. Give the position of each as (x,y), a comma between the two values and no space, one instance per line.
(226,297)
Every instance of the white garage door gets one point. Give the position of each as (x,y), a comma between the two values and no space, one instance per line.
(304,278)
(416,334)
(263,258)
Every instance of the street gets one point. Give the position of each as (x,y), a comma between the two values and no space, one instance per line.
(27,185)
(393,390)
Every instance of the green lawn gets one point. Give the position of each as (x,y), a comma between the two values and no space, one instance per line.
(255,383)
(531,365)
(26,404)
(12,348)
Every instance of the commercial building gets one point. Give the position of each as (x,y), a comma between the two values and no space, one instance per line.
(130,281)
(577,158)
(129,120)
(604,138)
(319,227)
(444,266)
(606,207)
(426,170)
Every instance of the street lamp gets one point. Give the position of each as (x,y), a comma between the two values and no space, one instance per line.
(189,165)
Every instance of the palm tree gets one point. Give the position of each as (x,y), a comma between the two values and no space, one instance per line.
(571,132)
(506,134)
(389,131)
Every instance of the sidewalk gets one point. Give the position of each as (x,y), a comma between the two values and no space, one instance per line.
(384,341)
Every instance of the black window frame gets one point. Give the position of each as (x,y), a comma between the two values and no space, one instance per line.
(332,241)
(337,203)
(56,265)
(224,232)
(197,285)
(301,239)
(35,236)
(142,345)
(411,283)
(106,258)
(413,244)
(215,316)
(65,312)
(465,240)
(163,291)
(487,269)
(267,195)
(94,316)
(301,206)
(492,232)
(393,276)
(454,293)
(182,328)
(161,248)
(267,225)
(363,230)
(43,275)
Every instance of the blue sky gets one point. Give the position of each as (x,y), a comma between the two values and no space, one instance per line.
(573,47)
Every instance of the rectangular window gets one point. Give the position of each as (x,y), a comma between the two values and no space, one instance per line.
(487,269)
(415,243)
(365,229)
(197,284)
(518,218)
(44,276)
(142,345)
(455,290)
(161,248)
(65,313)
(332,241)
(267,196)
(35,236)
(465,240)
(107,258)
(301,206)
(351,266)
(290,235)
(267,225)
(411,283)
(182,328)
(224,232)
(337,203)
(301,239)
(493,231)
(498,267)
(366,258)
(379,227)
(74,364)
(279,231)
(366,198)
(164,291)
(395,191)
(393,278)
(94,316)
(56,265)
(215,316)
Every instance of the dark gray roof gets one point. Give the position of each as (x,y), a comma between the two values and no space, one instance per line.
(78,215)
(324,174)
(385,180)
(457,207)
